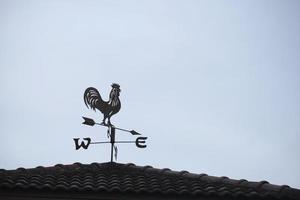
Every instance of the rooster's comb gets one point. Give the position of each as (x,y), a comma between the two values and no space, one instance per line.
(115,85)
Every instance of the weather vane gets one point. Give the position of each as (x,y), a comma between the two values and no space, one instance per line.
(93,100)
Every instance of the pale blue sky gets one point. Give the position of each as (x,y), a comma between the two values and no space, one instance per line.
(213,84)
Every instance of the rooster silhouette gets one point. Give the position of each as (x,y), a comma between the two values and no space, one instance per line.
(93,100)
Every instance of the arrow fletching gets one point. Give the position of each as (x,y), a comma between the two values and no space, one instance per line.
(133,132)
(88,121)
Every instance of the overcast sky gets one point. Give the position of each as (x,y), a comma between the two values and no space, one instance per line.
(214,85)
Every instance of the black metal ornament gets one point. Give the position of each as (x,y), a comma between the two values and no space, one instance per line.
(93,100)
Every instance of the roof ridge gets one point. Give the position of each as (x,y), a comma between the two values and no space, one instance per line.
(163,180)
(223,179)
(202,176)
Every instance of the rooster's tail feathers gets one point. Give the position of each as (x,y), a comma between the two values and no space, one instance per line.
(92,98)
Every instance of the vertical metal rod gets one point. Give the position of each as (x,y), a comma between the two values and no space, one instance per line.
(111,152)
(112,141)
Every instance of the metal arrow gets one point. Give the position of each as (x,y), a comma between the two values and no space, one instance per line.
(91,122)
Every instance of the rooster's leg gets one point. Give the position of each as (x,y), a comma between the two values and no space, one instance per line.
(103,121)
(108,122)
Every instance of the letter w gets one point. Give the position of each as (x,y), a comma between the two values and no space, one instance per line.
(82,144)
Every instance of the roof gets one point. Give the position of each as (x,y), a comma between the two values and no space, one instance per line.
(116,178)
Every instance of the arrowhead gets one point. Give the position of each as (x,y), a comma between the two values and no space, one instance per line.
(134,132)
(88,121)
